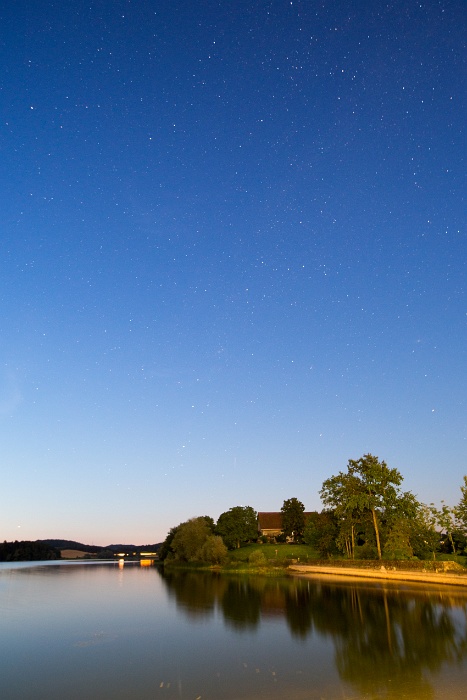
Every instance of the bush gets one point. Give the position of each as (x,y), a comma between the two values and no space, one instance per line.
(366,551)
(213,550)
(257,558)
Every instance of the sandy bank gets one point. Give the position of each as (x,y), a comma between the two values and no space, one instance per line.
(408,576)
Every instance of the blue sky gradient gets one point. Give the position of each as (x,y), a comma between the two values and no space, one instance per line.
(233,256)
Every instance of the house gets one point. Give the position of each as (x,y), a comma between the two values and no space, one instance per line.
(270,524)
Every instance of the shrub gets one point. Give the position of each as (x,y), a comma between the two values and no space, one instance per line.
(257,558)
(213,550)
(366,551)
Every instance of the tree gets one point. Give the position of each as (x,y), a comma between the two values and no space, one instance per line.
(190,538)
(447,520)
(166,547)
(461,509)
(371,487)
(424,538)
(321,532)
(397,545)
(293,520)
(237,525)
(379,489)
(213,550)
(339,495)
(26,550)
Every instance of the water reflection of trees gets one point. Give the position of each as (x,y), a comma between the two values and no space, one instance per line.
(199,595)
(385,639)
(241,605)
(196,594)
(395,640)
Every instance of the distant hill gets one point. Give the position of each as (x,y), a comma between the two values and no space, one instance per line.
(71,544)
(42,550)
(96,549)
(128,548)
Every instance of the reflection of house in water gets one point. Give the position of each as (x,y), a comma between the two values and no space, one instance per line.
(273,601)
(270,523)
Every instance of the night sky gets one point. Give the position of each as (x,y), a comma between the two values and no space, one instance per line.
(233,256)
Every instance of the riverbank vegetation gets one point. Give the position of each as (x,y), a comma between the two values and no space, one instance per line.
(272,559)
(275,560)
(366,517)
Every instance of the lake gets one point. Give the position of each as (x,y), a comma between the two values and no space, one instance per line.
(100,631)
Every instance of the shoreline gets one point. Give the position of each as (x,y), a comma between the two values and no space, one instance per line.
(421,577)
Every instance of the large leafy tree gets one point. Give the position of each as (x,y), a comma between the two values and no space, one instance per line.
(166,547)
(237,526)
(446,518)
(321,532)
(461,509)
(190,537)
(369,487)
(424,537)
(293,519)
(339,495)
(398,544)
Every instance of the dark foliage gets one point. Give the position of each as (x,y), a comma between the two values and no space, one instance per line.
(102,552)
(28,551)
(293,518)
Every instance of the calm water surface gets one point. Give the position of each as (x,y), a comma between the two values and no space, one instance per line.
(99,631)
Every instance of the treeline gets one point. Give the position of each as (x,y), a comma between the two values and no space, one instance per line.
(71,544)
(201,539)
(366,515)
(43,550)
(28,551)
(106,552)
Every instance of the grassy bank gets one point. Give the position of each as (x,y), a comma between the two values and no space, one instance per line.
(270,559)
(276,554)
(273,560)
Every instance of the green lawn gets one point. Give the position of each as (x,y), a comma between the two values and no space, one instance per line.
(279,553)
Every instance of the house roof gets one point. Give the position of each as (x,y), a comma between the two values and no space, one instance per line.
(270,521)
(273,520)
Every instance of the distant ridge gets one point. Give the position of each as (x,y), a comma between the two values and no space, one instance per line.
(71,544)
(91,548)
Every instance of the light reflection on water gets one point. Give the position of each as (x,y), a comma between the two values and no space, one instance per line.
(99,631)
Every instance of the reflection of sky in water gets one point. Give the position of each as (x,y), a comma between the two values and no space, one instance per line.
(106,632)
